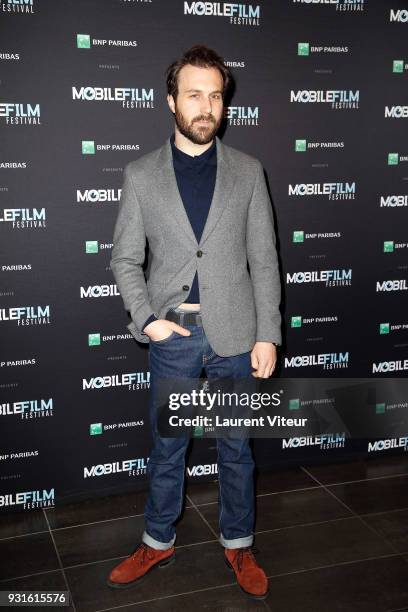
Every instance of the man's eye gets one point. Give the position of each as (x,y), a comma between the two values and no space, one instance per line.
(194,96)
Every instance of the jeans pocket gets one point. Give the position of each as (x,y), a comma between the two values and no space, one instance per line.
(164,340)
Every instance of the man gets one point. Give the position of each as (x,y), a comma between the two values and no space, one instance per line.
(205,211)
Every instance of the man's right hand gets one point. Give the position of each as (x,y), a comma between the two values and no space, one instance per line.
(162,328)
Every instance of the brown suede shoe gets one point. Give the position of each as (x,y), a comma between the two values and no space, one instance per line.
(131,571)
(251,578)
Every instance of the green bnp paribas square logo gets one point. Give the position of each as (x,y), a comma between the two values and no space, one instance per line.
(298,236)
(94,339)
(303,48)
(392,159)
(95,429)
(83,41)
(294,404)
(388,246)
(384,328)
(300,146)
(88,147)
(380,408)
(91,246)
(398,66)
(296,321)
(198,431)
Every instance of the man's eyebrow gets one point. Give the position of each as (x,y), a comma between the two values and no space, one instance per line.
(199,90)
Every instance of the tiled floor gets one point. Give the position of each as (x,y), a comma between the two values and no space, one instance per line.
(331,538)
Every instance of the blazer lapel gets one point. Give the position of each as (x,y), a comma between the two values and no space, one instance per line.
(167,185)
(224,184)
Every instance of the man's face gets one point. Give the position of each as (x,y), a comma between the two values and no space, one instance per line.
(198,107)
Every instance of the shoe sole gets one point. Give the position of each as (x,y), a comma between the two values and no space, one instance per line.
(127,585)
(247,593)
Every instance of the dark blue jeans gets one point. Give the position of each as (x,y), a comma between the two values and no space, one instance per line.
(185,356)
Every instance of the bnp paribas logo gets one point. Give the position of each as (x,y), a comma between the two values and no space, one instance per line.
(380,408)
(398,66)
(300,146)
(88,147)
(384,328)
(296,321)
(91,246)
(388,246)
(95,429)
(198,431)
(94,339)
(83,41)
(393,159)
(294,404)
(303,48)
(298,236)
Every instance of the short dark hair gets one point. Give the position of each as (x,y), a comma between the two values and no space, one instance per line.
(202,56)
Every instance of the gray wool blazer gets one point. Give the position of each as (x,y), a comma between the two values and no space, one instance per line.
(238,307)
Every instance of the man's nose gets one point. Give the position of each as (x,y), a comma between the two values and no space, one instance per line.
(206,106)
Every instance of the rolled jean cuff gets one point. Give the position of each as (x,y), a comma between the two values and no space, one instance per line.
(237,542)
(147,539)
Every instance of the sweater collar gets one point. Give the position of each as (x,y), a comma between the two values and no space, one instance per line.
(209,156)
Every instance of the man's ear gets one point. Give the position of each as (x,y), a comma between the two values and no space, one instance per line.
(171,103)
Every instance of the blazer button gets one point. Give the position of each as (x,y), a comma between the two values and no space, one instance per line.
(199,253)
(186,287)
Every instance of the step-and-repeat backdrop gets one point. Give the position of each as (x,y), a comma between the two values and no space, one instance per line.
(320,99)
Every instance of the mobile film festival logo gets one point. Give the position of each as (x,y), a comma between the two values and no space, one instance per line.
(333,191)
(242,115)
(94,196)
(393,201)
(26,315)
(29,499)
(20,113)
(339,5)
(329,278)
(337,98)
(129,97)
(24,218)
(132,381)
(17,6)
(237,14)
(28,409)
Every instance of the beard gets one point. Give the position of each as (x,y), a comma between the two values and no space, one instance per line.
(198,134)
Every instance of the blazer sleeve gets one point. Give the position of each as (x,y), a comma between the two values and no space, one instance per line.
(128,254)
(263,262)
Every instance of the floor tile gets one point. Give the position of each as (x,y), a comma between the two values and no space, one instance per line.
(203,492)
(270,481)
(119,538)
(27,555)
(359,470)
(273,481)
(393,526)
(196,567)
(287,509)
(369,586)
(224,599)
(22,523)
(97,509)
(305,547)
(374,495)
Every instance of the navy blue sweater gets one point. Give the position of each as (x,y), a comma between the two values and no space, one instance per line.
(196,181)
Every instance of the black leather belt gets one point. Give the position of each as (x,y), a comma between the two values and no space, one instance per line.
(184,318)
